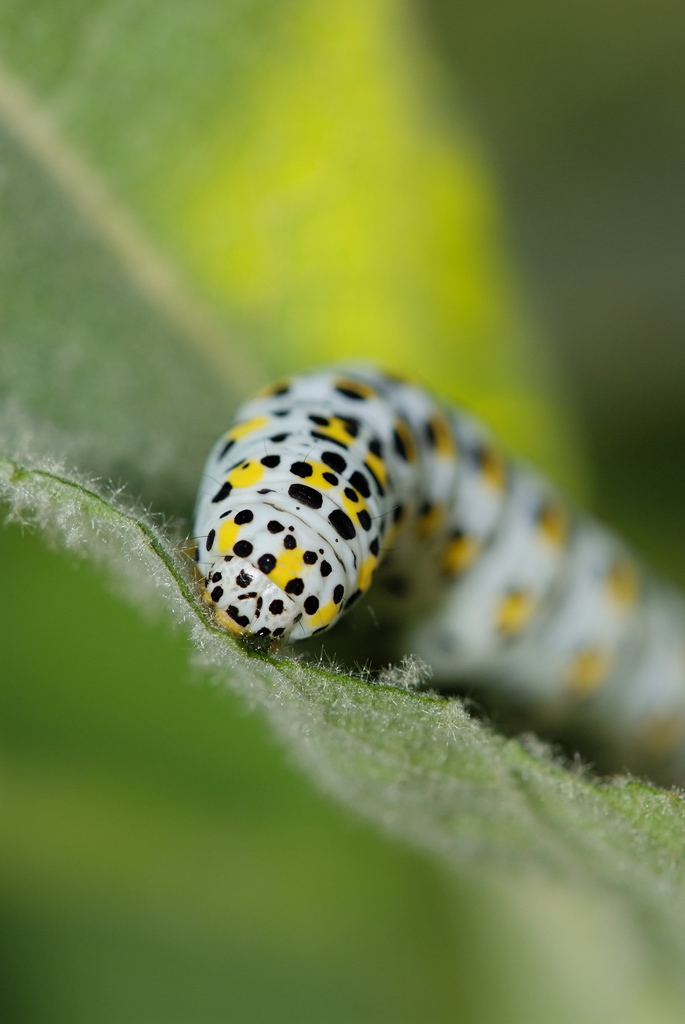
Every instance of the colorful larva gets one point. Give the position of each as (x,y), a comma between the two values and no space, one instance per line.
(332,478)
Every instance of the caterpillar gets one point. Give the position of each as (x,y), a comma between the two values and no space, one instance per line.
(339,477)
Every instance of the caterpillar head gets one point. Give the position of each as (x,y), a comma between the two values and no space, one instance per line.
(271,575)
(247,603)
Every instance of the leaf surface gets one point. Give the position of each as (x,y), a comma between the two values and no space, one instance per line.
(416,765)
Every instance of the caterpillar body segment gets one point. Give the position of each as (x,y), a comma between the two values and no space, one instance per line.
(336,477)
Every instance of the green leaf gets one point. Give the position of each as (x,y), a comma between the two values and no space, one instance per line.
(416,765)
(196,195)
(100,339)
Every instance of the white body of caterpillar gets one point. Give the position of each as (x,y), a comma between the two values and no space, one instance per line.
(331,478)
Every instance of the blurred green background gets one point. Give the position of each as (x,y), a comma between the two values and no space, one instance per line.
(581,107)
(160,859)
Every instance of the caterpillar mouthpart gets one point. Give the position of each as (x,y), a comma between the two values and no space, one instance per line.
(247,603)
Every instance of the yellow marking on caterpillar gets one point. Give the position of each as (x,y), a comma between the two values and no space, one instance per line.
(352,506)
(514,612)
(661,733)
(226,537)
(243,429)
(460,554)
(325,614)
(431,521)
(317,478)
(228,623)
(553,523)
(273,388)
(222,617)
(368,567)
(355,386)
(289,564)
(407,438)
(587,671)
(492,466)
(246,474)
(445,442)
(623,583)
(377,467)
(337,431)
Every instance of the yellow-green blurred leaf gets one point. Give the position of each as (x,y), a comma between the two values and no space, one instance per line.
(299,161)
